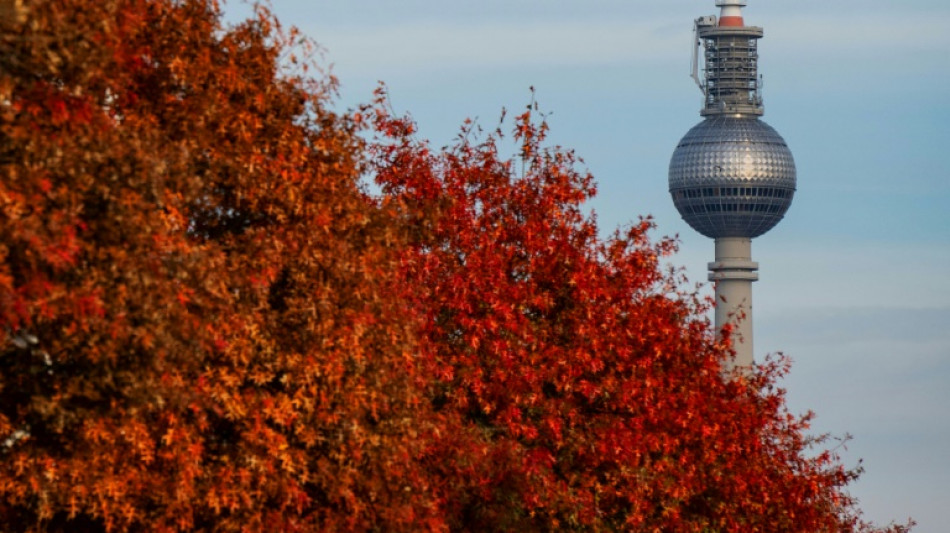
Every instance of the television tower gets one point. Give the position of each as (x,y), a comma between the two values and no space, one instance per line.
(732,177)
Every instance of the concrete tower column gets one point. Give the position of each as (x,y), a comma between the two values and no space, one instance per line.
(733,273)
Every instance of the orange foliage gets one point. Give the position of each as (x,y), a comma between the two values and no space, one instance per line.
(195,317)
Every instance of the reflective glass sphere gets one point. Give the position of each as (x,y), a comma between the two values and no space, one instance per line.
(732,177)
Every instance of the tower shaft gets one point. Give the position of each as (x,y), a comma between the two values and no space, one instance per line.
(733,272)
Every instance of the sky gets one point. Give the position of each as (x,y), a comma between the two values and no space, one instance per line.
(854,283)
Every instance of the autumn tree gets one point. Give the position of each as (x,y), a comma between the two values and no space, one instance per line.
(575,385)
(198,324)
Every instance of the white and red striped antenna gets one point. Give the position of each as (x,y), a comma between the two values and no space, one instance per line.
(731,14)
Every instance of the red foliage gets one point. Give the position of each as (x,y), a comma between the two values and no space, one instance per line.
(574,386)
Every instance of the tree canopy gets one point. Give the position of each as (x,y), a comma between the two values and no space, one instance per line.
(207,322)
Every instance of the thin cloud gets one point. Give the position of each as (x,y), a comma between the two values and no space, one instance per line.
(441,44)
(862,33)
(458,45)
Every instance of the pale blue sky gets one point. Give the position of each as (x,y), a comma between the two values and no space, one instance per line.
(855,283)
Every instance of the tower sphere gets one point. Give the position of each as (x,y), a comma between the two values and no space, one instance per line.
(732,176)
